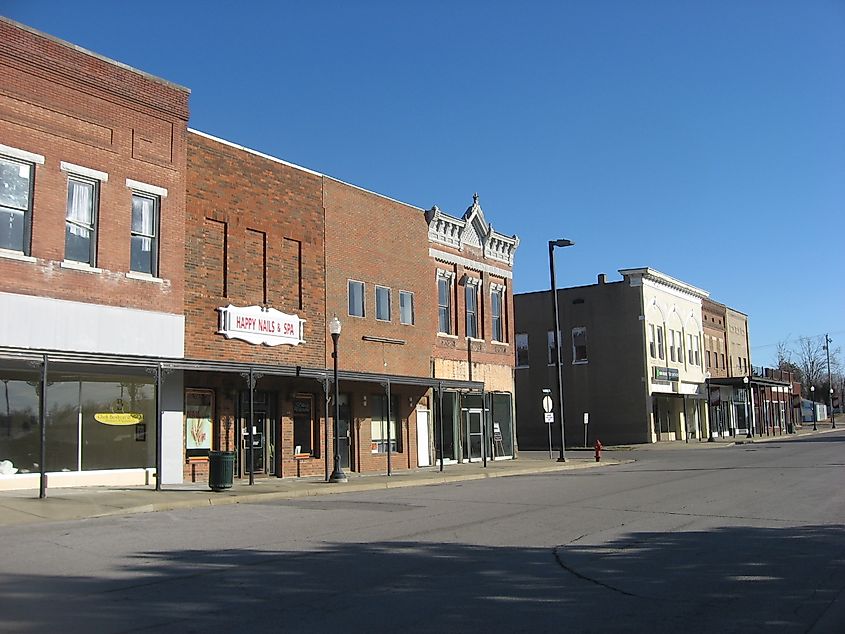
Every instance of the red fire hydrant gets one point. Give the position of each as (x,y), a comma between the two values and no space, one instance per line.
(598,450)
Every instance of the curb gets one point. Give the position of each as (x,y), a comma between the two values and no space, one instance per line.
(358,487)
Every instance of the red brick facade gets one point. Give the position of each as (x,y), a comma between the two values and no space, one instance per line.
(71,106)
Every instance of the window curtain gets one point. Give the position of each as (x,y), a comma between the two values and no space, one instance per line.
(143,221)
(80,209)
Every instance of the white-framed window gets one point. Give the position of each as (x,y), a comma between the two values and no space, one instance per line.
(497,309)
(444,302)
(550,339)
(522,349)
(145,225)
(81,220)
(696,349)
(382,303)
(652,342)
(471,301)
(579,344)
(406,308)
(672,344)
(660,352)
(355,295)
(17,171)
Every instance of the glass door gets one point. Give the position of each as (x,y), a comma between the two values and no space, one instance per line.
(474,434)
(344,437)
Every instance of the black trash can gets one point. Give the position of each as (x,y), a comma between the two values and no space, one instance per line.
(221,470)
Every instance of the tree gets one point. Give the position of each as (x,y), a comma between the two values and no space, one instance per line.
(810,358)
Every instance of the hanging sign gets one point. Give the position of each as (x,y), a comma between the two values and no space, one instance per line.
(119,418)
(259,325)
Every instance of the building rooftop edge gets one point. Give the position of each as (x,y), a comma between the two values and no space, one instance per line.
(666,279)
(85,51)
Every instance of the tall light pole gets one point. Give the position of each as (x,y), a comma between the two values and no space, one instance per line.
(748,429)
(827,342)
(813,397)
(337,474)
(556,328)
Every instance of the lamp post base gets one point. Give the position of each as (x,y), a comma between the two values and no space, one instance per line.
(338,475)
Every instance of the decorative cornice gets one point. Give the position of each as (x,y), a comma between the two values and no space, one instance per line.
(472,230)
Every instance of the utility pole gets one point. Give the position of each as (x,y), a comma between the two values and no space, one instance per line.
(827,342)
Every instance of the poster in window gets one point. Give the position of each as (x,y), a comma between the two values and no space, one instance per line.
(199,409)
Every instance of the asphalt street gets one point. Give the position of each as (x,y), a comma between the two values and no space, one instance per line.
(748,538)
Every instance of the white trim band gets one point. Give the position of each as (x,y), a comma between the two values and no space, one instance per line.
(84,171)
(471,264)
(146,188)
(21,154)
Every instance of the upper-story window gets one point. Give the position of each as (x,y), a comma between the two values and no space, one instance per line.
(497,303)
(693,350)
(356,298)
(83,197)
(522,349)
(146,224)
(16,180)
(444,303)
(579,344)
(382,303)
(652,342)
(144,251)
(471,296)
(660,352)
(550,338)
(406,308)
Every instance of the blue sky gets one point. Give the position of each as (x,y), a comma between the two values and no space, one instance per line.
(705,139)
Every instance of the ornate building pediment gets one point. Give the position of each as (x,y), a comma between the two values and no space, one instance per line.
(472,230)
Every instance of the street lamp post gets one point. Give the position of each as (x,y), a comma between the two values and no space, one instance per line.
(337,473)
(748,431)
(556,328)
(813,397)
(827,342)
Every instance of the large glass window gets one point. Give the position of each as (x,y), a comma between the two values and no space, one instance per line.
(471,295)
(144,249)
(356,298)
(502,436)
(20,438)
(81,221)
(382,303)
(497,301)
(305,433)
(522,349)
(444,304)
(406,308)
(652,342)
(15,204)
(93,422)
(379,424)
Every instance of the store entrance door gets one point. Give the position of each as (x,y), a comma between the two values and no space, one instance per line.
(473,434)
(264,435)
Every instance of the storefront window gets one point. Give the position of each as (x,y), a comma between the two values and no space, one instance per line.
(96,423)
(19,432)
(502,425)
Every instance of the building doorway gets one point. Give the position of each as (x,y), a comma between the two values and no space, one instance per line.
(264,434)
(473,434)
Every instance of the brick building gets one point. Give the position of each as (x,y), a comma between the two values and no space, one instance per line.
(92,225)
(175,291)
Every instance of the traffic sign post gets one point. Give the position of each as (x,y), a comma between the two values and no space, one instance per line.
(586,425)
(548,415)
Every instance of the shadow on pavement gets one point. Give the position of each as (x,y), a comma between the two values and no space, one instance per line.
(735,579)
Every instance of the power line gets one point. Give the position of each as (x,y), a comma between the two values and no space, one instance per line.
(794,339)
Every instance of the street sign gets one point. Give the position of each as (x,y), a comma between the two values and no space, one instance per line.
(549,417)
(547,405)
(586,418)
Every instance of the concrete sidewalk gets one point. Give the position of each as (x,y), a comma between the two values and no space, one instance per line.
(61,504)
